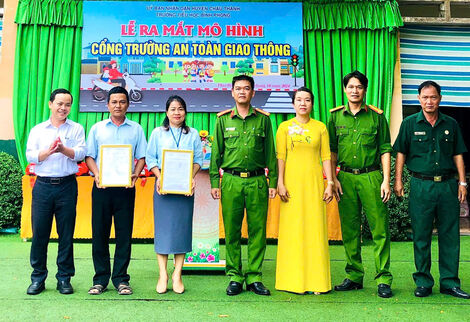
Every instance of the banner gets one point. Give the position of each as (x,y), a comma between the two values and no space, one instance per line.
(206,251)
(191,49)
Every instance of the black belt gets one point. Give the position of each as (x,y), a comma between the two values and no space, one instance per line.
(359,171)
(56,180)
(432,178)
(245,174)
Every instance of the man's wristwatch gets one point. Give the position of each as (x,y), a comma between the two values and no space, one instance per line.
(463,183)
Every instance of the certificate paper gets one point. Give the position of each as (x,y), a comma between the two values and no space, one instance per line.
(177,171)
(115,165)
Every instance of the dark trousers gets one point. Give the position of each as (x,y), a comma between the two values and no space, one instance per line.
(437,201)
(49,200)
(106,204)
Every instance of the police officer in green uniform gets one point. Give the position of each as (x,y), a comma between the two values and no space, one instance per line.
(243,147)
(431,144)
(360,143)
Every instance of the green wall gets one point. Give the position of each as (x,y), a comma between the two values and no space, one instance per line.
(9,146)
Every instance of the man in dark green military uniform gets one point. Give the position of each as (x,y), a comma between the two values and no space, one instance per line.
(243,147)
(431,144)
(360,143)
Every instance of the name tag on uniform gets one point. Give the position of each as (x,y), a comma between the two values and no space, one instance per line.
(420,133)
(229,129)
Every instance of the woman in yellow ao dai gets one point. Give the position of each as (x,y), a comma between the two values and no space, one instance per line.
(303,261)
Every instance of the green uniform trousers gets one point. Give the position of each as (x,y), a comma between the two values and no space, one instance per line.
(438,201)
(238,194)
(363,191)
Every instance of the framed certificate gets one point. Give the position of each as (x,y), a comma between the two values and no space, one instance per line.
(177,171)
(115,165)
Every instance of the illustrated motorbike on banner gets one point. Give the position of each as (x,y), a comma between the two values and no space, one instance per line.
(101,88)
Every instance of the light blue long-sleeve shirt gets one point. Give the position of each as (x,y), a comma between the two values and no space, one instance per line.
(161,139)
(106,132)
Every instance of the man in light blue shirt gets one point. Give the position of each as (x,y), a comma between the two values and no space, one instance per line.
(117,202)
(55,146)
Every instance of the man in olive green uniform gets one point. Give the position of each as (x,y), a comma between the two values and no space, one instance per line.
(360,142)
(431,144)
(243,147)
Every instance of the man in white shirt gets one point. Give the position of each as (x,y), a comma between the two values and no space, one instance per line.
(55,146)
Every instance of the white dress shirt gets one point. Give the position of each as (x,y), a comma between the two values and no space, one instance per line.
(40,138)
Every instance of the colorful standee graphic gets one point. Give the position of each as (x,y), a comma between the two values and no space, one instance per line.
(158,49)
(205,252)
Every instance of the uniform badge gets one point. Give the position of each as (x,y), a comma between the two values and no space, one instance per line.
(229,129)
(420,133)
(446,132)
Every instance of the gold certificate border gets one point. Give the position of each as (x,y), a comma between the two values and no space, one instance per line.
(190,179)
(106,146)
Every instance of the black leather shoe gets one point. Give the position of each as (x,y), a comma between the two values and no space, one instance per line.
(456,291)
(234,288)
(348,285)
(384,290)
(64,287)
(35,288)
(258,288)
(422,291)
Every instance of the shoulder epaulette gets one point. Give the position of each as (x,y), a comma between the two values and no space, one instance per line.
(337,108)
(375,109)
(224,112)
(262,111)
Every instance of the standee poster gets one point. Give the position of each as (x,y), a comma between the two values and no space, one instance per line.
(192,49)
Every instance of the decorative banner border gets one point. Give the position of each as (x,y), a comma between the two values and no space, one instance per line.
(192,49)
